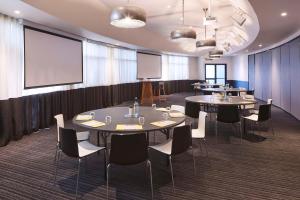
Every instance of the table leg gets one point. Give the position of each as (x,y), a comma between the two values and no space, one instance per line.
(147,137)
(104,138)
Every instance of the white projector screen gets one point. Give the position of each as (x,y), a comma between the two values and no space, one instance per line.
(148,66)
(51,59)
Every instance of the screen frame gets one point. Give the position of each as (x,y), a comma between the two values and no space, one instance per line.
(54,34)
(153,54)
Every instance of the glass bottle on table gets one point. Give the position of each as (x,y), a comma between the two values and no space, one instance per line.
(136,106)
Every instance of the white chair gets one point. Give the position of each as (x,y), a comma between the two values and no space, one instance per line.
(81,136)
(264,115)
(180,143)
(269,102)
(199,133)
(242,93)
(180,109)
(70,146)
(249,107)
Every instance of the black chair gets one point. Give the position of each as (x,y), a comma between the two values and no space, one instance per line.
(74,149)
(192,109)
(128,150)
(264,115)
(228,114)
(181,142)
(250,92)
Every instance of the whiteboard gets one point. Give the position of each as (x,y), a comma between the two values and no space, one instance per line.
(148,66)
(51,59)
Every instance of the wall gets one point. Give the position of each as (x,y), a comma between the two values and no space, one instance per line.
(194,72)
(275,74)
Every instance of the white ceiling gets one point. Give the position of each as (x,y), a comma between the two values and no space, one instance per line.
(90,18)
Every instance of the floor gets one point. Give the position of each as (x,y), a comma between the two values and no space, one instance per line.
(262,167)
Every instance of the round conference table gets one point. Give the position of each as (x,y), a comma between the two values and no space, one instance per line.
(118,116)
(224,90)
(216,100)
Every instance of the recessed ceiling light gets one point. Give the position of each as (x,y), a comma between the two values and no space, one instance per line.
(283,14)
(260,45)
(17,12)
(168,6)
(181,18)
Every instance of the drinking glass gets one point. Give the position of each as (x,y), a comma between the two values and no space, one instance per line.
(165,116)
(92,114)
(141,120)
(154,106)
(107,119)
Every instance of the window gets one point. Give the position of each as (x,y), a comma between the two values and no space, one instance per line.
(215,73)
(175,67)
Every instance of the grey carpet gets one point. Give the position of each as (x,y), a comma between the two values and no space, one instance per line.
(262,167)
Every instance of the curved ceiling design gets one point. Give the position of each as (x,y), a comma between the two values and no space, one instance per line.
(162,18)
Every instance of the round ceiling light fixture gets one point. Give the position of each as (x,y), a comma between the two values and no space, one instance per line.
(206,42)
(128,17)
(216,53)
(183,34)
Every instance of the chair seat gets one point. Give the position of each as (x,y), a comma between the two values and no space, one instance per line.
(182,124)
(85,148)
(165,147)
(83,135)
(254,112)
(197,133)
(252,117)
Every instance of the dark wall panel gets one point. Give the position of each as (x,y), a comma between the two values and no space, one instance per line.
(295,77)
(285,79)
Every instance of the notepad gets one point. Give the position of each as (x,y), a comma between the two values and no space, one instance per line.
(176,114)
(162,109)
(93,123)
(84,117)
(163,123)
(129,127)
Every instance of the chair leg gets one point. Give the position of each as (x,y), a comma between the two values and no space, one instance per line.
(200,146)
(194,161)
(107,178)
(171,167)
(150,171)
(57,165)
(204,142)
(241,132)
(216,131)
(78,174)
(154,137)
(56,152)
(271,125)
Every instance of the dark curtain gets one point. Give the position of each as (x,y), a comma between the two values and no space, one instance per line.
(24,115)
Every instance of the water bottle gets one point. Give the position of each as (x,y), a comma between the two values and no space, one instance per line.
(136,106)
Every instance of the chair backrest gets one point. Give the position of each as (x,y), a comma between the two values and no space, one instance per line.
(270,101)
(192,109)
(251,92)
(264,112)
(201,121)
(249,97)
(59,123)
(182,139)
(228,114)
(178,108)
(128,149)
(68,142)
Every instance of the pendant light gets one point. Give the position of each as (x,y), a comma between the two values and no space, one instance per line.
(216,52)
(183,34)
(205,42)
(128,17)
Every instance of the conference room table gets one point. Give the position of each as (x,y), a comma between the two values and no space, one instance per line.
(119,117)
(211,100)
(199,86)
(224,90)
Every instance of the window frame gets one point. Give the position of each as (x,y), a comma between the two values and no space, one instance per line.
(215,77)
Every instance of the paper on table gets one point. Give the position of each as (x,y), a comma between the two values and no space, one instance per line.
(176,114)
(93,123)
(163,123)
(162,109)
(129,127)
(83,117)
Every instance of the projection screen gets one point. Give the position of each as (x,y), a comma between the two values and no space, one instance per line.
(51,59)
(148,66)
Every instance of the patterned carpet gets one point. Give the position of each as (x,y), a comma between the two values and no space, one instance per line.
(262,167)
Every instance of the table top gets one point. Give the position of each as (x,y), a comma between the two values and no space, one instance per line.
(206,84)
(223,89)
(210,99)
(118,117)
